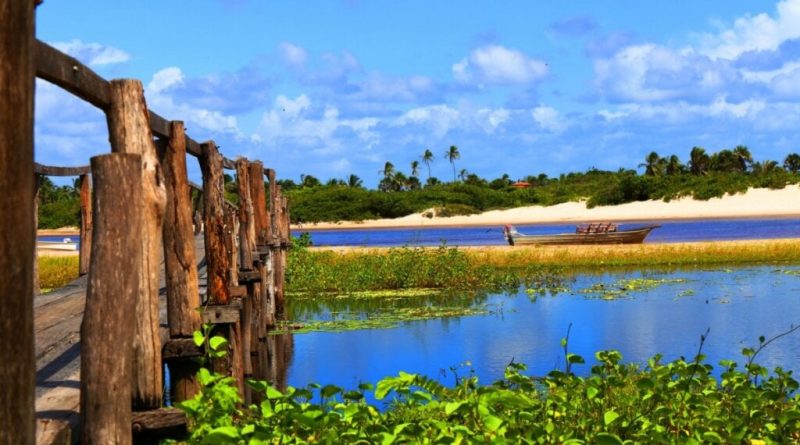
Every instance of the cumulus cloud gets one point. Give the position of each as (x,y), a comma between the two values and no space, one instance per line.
(294,56)
(549,119)
(497,65)
(93,54)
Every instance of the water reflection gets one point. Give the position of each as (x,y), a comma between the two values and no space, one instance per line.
(737,305)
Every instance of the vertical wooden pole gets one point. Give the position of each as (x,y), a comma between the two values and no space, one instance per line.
(111,295)
(232,243)
(280,295)
(216,258)
(261,223)
(129,132)
(86,225)
(272,240)
(183,294)
(17,232)
(247,247)
(37,285)
(279,257)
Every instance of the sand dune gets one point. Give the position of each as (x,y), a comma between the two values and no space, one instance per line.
(754,203)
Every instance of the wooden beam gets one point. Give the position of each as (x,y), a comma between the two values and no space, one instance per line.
(60,69)
(180,348)
(216,258)
(49,170)
(129,132)
(86,225)
(222,313)
(151,426)
(111,297)
(17,231)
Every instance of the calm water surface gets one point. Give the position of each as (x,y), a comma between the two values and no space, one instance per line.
(736,305)
(670,231)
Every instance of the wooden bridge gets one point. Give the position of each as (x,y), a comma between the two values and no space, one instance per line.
(85,363)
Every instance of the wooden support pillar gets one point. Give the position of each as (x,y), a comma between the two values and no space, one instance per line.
(17,230)
(111,297)
(183,294)
(276,213)
(261,312)
(232,243)
(216,257)
(86,225)
(247,228)
(280,261)
(37,285)
(129,132)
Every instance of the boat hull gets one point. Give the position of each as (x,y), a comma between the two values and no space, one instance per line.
(634,236)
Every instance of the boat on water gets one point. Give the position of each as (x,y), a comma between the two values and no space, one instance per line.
(592,233)
(65,244)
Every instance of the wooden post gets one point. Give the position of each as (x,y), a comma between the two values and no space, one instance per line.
(281,241)
(216,258)
(37,285)
(17,232)
(129,132)
(232,243)
(111,296)
(286,234)
(261,224)
(86,225)
(183,294)
(247,228)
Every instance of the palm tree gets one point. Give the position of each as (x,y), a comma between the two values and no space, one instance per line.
(462,174)
(414,168)
(387,183)
(354,181)
(653,164)
(388,170)
(452,154)
(698,161)
(792,162)
(427,158)
(674,165)
(744,157)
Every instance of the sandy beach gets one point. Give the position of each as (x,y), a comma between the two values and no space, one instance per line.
(753,204)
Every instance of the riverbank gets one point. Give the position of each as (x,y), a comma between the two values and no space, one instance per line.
(63,231)
(755,203)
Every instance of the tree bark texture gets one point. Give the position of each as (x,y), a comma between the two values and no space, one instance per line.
(17,230)
(111,296)
(86,225)
(247,228)
(216,255)
(183,294)
(129,132)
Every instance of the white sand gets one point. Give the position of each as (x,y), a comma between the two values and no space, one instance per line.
(754,203)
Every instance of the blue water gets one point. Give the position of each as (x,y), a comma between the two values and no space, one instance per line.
(670,232)
(736,305)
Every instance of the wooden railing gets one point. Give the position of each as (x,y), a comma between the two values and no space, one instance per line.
(140,204)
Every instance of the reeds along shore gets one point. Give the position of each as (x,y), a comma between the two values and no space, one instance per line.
(712,252)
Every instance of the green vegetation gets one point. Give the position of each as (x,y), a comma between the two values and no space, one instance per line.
(666,178)
(57,271)
(58,206)
(616,403)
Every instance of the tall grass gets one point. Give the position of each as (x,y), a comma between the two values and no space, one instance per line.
(57,271)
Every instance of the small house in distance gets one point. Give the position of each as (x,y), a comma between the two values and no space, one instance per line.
(521,185)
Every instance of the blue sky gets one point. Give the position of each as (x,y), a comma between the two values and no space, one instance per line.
(339,87)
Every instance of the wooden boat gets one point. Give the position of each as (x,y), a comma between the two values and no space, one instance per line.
(66,244)
(594,233)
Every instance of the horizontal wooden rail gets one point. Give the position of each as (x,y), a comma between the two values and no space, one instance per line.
(49,170)
(68,73)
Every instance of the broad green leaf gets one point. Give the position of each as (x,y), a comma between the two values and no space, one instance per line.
(223,434)
(330,390)
(216,342)
(451,407)
(575,359)
(609,417)
(493,423)
(198,338)
(710,436)
(273,393)
(591,392)
(204,376)
(607,439)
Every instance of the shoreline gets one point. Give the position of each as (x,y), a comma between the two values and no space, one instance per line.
(753,204)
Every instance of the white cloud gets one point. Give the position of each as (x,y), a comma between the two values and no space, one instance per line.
(755,32)
(293,55)
(491,119)
(498,65)
(439,119)
(93,54)
(549,118)
(683,112)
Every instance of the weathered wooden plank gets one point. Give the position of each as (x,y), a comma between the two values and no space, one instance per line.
(232,243)
(183,295)
(53,432)
(180,348)
(129,132)
(216,258)
(49,170)
(60,69)
(222,313)
(37,182)
(86,225)
(150,426)
(111,297)
(16,222)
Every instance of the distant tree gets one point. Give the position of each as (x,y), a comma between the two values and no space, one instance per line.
(412,183)
(674,166)
(473,179)
(388,170)
(765,168)
(427,158)
(462,174)
(744,158)
(399,182)
(334,182)
(354,181)
(792,162)
(698,161)
(452,155)
(725,161)
(286,184)
(432,181)
(309,181)
(654,165)
(415,168)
